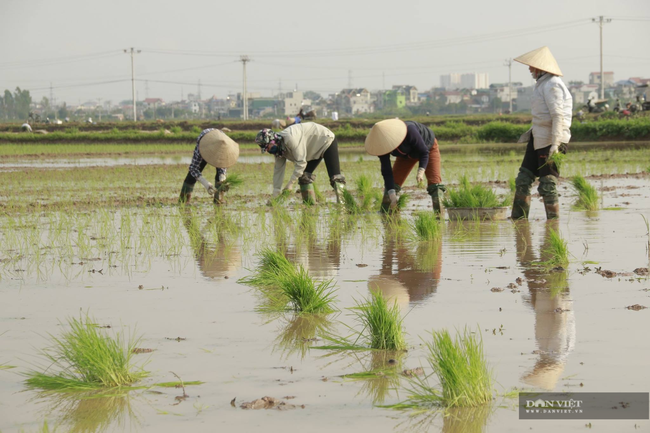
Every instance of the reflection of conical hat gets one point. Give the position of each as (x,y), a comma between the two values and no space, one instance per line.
(390,288)
(541,59)
(218,149)
(544,375)
(385,136)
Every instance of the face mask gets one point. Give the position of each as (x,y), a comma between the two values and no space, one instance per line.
(272,149)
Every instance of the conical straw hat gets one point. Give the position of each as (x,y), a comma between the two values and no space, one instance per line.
(541,59)
(218,149)
(385,136)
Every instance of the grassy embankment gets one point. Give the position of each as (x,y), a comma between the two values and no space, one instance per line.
(495,131)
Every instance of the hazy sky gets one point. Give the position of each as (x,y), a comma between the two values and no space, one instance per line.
(77,45)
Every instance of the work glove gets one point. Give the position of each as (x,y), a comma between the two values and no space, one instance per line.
(289,186)
(222,177)
(208,186)
(554,149)
(420,176)
(392,196)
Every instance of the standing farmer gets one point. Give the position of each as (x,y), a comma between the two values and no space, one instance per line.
(217,149)
(551,107)
(411,143)
(305,144)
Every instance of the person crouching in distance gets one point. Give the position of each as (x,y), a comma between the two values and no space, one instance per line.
(306,145)
(217,149)
(410,143)
(551,107)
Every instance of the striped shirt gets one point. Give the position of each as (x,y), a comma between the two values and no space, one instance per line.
(198,163)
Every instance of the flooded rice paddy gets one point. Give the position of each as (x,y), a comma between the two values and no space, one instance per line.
(73,241)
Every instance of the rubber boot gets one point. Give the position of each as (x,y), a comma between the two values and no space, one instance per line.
(552,207)
(520,206)
(308,193)
(338,184)
(436,191)
(186,193)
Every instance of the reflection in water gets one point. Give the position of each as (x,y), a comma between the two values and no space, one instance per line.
(384,368)
(217,259)
(549,297)
(91,411)
(454,420)
(407,276)
(299,332)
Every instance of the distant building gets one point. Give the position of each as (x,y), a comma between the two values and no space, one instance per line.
(290,103)
(594,78)
(354,101)
(452,97)
(472,80)
(410,93)
(394,99)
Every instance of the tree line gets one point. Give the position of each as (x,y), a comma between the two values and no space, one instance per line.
(16,105)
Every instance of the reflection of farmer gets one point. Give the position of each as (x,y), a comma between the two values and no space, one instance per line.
(215,260)
(217,149)
(411,143)
(551,107)
(407,276)
(306,145)
(554,318)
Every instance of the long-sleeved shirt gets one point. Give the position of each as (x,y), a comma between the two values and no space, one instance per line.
(301,143)
(551,107)
(197,160)
(417,145)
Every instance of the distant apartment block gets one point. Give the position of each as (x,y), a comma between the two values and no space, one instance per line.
(472,80)
(594,78)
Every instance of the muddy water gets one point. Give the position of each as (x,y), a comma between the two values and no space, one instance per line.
(562,331)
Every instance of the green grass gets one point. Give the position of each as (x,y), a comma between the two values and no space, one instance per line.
(556,252)
(461,369)
(426,226)
(87,358)
(381,323)
(472,196)
(587,194)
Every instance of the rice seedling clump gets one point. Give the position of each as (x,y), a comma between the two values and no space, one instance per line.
(461,368)
(87,358)
(587,194)
(426,226)
(557,251)
(473,196)
(382,323)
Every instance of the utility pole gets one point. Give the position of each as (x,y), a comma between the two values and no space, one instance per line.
(133,52)
(601,21)
(244,60)
(508,63)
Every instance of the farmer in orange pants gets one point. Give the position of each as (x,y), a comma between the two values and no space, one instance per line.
(411,143)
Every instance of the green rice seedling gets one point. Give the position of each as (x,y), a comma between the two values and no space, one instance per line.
(472,196)
(304,295)
(426,226)
(320,197)
(461,368)
(350,202)
(272,266)
(381,323)
(280,199)
(587,194)
(234,180)
(512,184)
(556,251)
(87,358)
(402,201)
(558,159)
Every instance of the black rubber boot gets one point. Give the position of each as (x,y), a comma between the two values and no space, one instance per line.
(436,191)
(186,193)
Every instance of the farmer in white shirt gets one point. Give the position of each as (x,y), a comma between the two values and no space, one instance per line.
(306,145)
(551,107)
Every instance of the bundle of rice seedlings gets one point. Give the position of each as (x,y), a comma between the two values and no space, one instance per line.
(558,159)
(473,196)
(556,251)
(278,200)
(287,287)
(426,226)
(304,295)
(382,323)
(234,180)
(87,358)
(402,201)
(350,202)
(587,194)
(461,369)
